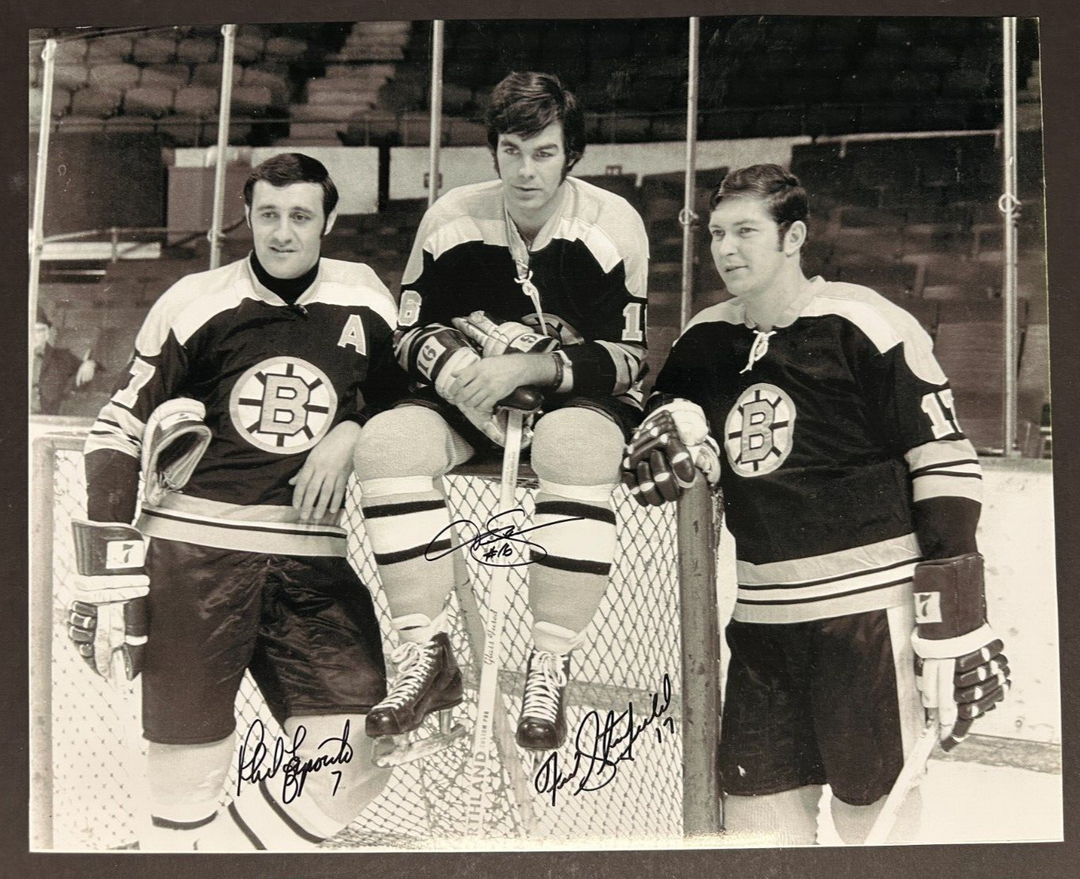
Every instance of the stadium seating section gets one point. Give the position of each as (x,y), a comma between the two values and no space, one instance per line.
(912,216)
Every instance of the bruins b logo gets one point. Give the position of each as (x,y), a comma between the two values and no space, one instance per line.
(758,430)
(283,405)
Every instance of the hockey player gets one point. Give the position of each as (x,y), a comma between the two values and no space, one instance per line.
(535,279)
(246,567)
(853,497)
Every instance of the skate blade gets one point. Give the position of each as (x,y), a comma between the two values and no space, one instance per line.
(389,752)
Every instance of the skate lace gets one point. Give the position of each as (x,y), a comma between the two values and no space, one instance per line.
(543,684)
(414,662)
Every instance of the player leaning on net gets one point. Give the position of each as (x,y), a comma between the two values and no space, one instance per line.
(535,279)
(853,497)
(257,365)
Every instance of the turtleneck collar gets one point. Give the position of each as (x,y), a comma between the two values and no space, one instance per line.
(286,289)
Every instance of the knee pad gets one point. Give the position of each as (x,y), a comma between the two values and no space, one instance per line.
(576,447)
(410,441)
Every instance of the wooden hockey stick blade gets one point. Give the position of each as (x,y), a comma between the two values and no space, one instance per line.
(388,754)
(905,781)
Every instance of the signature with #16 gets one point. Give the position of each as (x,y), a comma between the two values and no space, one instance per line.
(500,546)
(602,745)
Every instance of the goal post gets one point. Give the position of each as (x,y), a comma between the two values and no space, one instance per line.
(657,629)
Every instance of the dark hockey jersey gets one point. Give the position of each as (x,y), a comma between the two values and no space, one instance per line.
(274,378)
(589,265)
(832,425)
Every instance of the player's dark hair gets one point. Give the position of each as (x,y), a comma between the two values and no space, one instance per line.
(286,168)
(526,103)
(783,194)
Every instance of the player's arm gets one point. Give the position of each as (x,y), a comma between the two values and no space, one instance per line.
(673,442)
(319,487)
(961,669)
(611,361)
(107,619)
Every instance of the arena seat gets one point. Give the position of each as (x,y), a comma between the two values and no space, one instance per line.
(112,48)
(152,101)
(196,100)
(172,76)
(197,50)
(116,75)
(96,102)
(154,49)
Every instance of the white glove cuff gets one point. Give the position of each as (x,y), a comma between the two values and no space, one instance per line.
(950,648)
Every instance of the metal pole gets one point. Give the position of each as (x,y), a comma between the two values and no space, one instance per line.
(43,500)
(1008,204)
(37,243)
(687,217)
(224,112)
(700,631)
(435,141)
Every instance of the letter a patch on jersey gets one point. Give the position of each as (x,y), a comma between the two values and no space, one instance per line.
(758,430)
(353,334)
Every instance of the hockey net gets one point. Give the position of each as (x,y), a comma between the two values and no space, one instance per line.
(88,785)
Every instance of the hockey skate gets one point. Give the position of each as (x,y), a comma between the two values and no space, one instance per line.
(542,726)
(428,680)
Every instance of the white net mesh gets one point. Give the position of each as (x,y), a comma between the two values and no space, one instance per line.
(96,779)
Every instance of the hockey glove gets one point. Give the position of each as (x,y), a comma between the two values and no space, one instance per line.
(959,667)
(175,438)
(666,452)
(435,355)
(503,337)
(108,618)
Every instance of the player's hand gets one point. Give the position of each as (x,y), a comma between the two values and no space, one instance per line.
(481,385)
(959,668)
(319,487)
(85,373)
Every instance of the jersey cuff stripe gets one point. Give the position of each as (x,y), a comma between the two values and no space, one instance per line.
(286,818)
(576,510)
(247,831)
(576,566)
(379,510)
(406,555)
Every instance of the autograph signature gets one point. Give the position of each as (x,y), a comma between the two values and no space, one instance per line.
(600,746)
(284,759)
(500,546)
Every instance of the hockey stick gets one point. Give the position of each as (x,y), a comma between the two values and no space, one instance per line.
(477,770)
(913,767)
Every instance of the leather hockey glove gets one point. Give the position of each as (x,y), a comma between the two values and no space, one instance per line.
(959,667)
(175,438)
(666,452)
(503,337)
(435,355)
(107,621)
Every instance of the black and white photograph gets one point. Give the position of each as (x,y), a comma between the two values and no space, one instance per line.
(540,435)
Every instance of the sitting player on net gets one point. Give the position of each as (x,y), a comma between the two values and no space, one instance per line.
(853,497)
(243,391)
(532,280)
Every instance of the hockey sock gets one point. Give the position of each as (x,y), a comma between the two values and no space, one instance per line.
(787,818)
(399,459)
(576,455)
(185,782)
(853,823)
